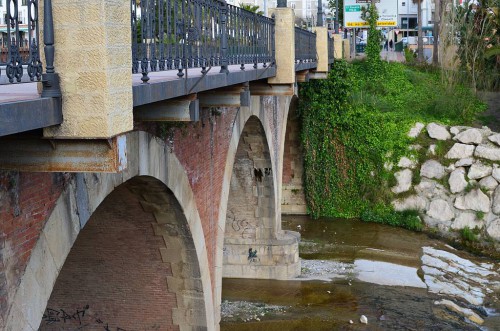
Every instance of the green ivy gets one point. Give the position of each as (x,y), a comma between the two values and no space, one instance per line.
(354,123)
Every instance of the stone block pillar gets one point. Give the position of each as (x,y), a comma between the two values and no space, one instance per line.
(347,49)
(285,46)
(322,48)
(337,44)
(93,58)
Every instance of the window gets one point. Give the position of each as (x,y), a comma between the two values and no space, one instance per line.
(403,4)
(24,2)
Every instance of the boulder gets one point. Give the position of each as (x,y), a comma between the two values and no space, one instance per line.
(425,187)
(460,151)
(474,200)
(415,130)
(404,181)
(489,183)
(464,162)
(495,138)
(405,162)
(466,219)
(493,229)
(432,169)
(479,170)
(413,202)
(496,201)
(440,210)
(457,180)
(469,136)
(438,132)
(489,153)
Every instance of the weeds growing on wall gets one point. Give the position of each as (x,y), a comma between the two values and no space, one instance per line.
(354,124)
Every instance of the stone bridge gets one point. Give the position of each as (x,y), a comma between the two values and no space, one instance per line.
(125,201)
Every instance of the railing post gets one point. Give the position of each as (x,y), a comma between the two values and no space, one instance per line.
(50,79)
(223,46)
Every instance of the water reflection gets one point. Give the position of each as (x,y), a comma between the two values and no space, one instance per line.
(398,279)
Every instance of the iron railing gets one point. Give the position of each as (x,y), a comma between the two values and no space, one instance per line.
(305,46)
(331,50)
(181,34)
(20,51)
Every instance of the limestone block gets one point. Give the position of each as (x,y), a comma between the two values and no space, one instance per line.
(426,188)
(489,183)
(496,201)
(457,180)
(474,200)
(322,48)
(413,202)
(479,170)
(405,162)
(493,229)
(438,132)
(432,149)
(464,162)
(466,219)
(440,210)
(489,153)
(460,151)
(469,136)
(415,130)
(432,169)
(466,312)
(404,181)
(496,172)
(495,138)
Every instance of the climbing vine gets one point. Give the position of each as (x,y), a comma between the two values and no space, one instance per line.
(354,124)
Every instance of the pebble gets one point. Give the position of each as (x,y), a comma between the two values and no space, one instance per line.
(363,319)
(351,322)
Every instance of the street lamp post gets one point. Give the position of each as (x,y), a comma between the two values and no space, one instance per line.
(319,21)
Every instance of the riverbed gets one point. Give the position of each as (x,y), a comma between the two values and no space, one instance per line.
(397,279)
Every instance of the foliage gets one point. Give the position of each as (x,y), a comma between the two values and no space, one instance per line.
(354,123)
(251,8)
(332,5)
(474,29)
(467,234)
(372,49)
(408,219)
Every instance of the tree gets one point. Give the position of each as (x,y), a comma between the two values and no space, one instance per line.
(252,8)
(420,41)
(438,8)
(372,50)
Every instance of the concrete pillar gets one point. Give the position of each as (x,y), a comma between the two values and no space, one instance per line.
(93,58)
(337,44)
(285,46)
(322,48)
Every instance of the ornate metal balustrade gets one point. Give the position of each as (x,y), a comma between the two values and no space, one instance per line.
(331,50)
(19,51)
(181,34)
(305,46)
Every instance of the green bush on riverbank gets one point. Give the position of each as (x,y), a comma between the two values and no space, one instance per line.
(357,120)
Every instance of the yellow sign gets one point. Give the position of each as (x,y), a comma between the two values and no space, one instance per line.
(386,23)
(363,24)
(356,24)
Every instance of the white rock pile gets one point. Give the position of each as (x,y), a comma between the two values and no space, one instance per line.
(460,190)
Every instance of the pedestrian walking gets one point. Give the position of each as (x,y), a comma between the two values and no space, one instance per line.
(386,45)
(390,44)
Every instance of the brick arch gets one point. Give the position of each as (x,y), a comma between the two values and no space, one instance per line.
(133,266)
(147,156)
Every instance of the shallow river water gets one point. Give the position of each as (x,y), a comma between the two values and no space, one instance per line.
(398,279)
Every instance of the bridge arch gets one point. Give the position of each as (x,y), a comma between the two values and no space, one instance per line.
(150,159)
(267,114)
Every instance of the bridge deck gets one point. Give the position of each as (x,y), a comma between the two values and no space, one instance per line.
(165,85)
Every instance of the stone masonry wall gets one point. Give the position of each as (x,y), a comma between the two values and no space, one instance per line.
(457,185)
(26,200)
